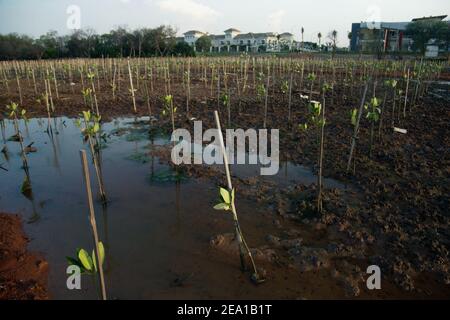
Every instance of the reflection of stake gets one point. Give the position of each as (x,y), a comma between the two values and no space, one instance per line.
(239,236)
(87,180)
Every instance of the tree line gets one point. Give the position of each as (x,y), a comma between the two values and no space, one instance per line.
(120,42)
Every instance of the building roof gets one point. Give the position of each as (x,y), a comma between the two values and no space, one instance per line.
(252,35)
(385,25)
(193,32)
(232,30)
(286,34)
(217,37)
(430,18)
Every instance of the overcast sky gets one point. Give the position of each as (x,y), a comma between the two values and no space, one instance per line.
(35,17)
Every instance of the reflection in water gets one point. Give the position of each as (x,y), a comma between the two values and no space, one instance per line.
(27,191)
(158,223)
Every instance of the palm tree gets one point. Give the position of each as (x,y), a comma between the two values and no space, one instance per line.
(333,35)
(303,38)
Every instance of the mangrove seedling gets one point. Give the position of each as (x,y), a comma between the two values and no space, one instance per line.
(87,96)
(89,130)
(311,78)
(356,119)
(392,84)
(15,114)
(226,102)
(260,88)
(90,76)
(169,109)
(373,115)
(228,204)
(317,119)
(87,263)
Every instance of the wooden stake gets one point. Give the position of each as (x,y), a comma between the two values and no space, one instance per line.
(239,236)
(87,180)
(355,135)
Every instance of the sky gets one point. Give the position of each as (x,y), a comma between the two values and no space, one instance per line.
(36,17)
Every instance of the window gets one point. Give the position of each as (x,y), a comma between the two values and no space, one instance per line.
(242,42)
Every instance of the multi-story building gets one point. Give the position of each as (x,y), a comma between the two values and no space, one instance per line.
(383,36)
(234,41)
(192,36)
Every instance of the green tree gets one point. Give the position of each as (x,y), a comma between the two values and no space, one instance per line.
(422,31)
(183,49)
(203,43)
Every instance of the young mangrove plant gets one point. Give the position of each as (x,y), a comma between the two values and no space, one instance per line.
(99,252)
(226,102)
(90,127)
(373,115)
(356,119)
(392,84)
(317,119)
(87,263)
(169,109)
(14,113)
(311,78)
(91,76)
(228,204)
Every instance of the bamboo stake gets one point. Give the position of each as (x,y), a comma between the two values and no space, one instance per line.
(132,87)
(355,135)
(267,96)
(290,97)
(87,181)
(239,236)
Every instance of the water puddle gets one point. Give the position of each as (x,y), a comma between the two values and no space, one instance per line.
(157,226)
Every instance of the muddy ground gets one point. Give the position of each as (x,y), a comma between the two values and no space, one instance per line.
(396,215)
(23,275)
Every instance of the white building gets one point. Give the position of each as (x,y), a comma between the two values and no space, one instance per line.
(234,41)
(192,36)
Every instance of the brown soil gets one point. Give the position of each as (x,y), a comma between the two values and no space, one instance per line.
(23,275)
(398,216)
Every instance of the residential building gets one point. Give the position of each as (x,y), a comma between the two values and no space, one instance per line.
(234,41)
(192,36)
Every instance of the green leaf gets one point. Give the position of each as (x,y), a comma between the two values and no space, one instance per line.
(85,259)
(74,262)
(222,207)
(87,115)
(101,253)
(96,128)
(354,114)
(225,194)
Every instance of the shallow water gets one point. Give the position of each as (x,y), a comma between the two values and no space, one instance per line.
(156,231)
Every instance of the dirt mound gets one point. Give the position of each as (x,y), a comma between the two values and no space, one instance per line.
(23,275)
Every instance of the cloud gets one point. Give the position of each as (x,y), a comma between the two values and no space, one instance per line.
(190,8)
(276,19)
